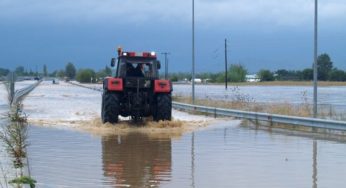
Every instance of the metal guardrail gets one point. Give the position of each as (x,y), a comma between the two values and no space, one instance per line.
(14,96)
(19,94)
(257,116)
(87,87)
(275,118)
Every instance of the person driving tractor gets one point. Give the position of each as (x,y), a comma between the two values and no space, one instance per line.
(135,72)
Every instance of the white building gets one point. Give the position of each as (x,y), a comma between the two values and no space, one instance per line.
(252,78)
(198,80)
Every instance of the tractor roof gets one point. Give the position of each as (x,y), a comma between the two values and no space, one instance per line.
(151,55)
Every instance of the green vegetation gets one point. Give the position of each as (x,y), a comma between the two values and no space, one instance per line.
(236,73)
(324,67)
(24,180)
(70,71)
(107,71)
(90,76)
(325,72)
(265,75)
(86,76)
(4,72)
(14,138)
(337,75)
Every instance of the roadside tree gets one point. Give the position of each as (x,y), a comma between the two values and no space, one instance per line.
(265,75)
(70,70)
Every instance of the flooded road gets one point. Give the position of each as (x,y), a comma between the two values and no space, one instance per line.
(223,154)
(219,156)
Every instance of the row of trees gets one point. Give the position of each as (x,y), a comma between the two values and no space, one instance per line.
(70,72)
(325,71)
(21,71)
(237,73)
(83,75)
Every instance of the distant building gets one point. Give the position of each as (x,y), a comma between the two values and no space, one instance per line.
(206,80)
(198,80)
(252,78)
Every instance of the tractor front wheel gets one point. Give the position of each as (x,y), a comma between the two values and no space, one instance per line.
(110,107)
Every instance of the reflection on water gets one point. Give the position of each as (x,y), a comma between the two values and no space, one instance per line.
(314,165)
(136,160)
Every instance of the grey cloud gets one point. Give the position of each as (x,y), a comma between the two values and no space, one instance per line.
(293,12)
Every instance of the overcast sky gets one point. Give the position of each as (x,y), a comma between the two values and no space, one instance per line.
(262,34)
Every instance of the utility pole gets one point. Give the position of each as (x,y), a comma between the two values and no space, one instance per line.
(193,51)
(315,60)
(166,63)
(226,64)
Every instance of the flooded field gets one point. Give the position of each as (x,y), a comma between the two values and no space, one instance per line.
(68,149)
(333,95)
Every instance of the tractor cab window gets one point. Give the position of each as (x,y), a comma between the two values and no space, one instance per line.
(127,68)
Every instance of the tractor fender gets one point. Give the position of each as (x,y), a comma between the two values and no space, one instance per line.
(113,84)
(163,86)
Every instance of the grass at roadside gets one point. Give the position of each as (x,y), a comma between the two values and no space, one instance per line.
(247,104)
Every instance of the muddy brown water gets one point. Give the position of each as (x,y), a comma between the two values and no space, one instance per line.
(218,156)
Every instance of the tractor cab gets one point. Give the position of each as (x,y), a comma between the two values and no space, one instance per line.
(140,65)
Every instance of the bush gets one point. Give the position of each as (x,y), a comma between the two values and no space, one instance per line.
(337,75)
(237,73)
(86,76)
(265,75)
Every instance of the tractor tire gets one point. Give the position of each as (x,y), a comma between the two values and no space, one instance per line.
(163,107)
(110,107)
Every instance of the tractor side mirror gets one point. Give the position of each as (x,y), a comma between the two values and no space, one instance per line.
(158,65)
(113,62)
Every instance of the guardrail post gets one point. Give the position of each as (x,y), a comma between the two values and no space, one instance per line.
(10,86)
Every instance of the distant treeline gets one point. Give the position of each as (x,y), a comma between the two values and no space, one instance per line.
(69,73)
(236,73)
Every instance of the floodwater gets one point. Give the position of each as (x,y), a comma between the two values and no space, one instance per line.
(330,99)
(333,96)
(222,155)
(219,156)
(293,94)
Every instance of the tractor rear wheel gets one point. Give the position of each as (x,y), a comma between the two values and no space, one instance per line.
(163,107)
(110,107)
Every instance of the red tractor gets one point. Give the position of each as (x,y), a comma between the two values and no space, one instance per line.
(136,89)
